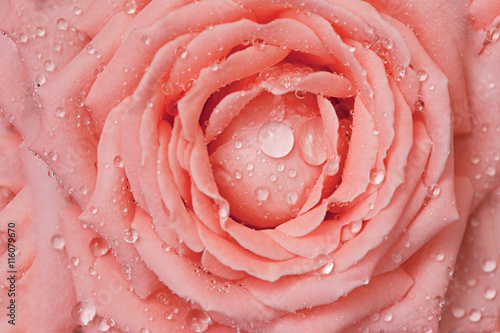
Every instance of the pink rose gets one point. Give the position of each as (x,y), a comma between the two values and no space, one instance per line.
(253,166)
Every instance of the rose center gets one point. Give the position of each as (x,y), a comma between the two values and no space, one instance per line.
(267,160)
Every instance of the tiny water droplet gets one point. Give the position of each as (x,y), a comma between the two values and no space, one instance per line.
(422,75)
(93,210)
(491,34)
(249,166)
(397,258)
(60,112)
(490,293)
(432,190)
(98,246)
(62,24)
(238,144)
(261,193)
(77,10)
(83,312)
(40,31)
(57,241)
(198,320)
(292,173)
(475,315)
(129,6)
(439,256)
(376,176)
(419,105)
(167,88)
(181,52)
(118,161)
(387,43)
(130,235)
(489,265)
(457,311)
(388,317)
(238,175)
(291,197)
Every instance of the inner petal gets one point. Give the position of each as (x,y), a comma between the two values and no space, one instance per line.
(267,160)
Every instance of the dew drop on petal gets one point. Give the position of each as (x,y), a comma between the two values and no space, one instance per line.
(198,320)
(62,24)
(129,6)
(275,139)
(489,265)
(98,246)
(261,193)
(422,75)
(475,315)
(83,312)
(57,241)
(332,167)
(313,142)
(40,31)
(490,293)
(167,88)
(419,105)
(492,34)
(291,197)
(238,144)
(432,190)
(457,311)
(118,161)
(396,258)
(60,112)
(376,176)
(181,52)
(388,317)
(130,235)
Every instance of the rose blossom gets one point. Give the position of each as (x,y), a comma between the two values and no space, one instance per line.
(226,166)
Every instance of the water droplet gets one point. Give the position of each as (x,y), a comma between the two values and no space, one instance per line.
(396,258)
(129,6)
(75,261)
(223,212)
(249,166)
(490,293)
(491,34)
(167,88)
(198,320)
(188,84)
(439,256)
(83,312)
(60,112)
(273,177)
(280,167)
(238,144)
(237,175)
(475,315)
(387,43)
(388,317)
(144,330)
(432,190)
(57,241)
(313,142)
(300,94)
(259,42)
(77,10)
(332,167)
(457,311)
(103,325)
(62,24)
(375,316)
(98,246)
(422,75)
(40,80)
(291,197)
(439,301)
(419,105)
(23,38)
(475,159)
(118,161)
(376,176)
(261,193)
(489,265)
(292,173)
(181,52)
(130,235)
(275,139)
(491,171)
(40,31)
(79,101)
(376,131)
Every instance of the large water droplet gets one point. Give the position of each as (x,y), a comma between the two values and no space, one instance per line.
(98,246)
(313,142)
(198,320)
(130,235)
(83,312)
(432,190)
(490,293)
(492,34)
(376,176)
(62,24)
(275,139)
(475,315)
(457,311)
(129,6)
(291,197)
(489,265)
(57,241)
(261,193)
